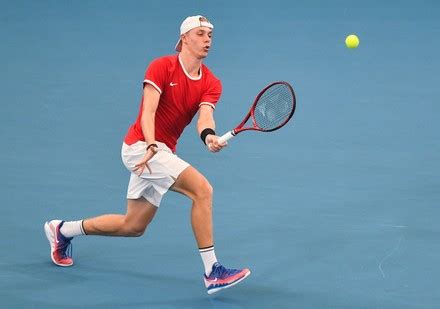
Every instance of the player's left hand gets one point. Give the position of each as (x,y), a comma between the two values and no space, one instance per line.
(213,144)
(142,164)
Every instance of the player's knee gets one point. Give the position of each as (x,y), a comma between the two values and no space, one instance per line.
(135,230)
(204,191)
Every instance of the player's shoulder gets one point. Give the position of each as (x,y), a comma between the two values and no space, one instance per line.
(166,61)
(209,75)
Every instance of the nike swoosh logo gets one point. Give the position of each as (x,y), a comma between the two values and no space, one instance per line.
(214,280)
(173,84)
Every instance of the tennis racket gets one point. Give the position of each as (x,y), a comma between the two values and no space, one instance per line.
(273,108)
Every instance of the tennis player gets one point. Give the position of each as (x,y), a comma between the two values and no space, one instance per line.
(175,88)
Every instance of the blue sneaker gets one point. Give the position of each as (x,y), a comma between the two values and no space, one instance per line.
(222,278)
(60,246)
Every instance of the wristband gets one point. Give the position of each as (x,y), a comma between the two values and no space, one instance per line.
(205,133)
(155,145)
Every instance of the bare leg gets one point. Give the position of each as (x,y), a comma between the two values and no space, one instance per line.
(195,186)
(139,214)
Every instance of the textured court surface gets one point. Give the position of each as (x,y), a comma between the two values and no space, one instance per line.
(339,209)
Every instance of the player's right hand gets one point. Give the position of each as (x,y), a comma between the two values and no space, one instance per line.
(213,144)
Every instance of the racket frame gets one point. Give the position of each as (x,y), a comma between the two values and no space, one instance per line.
(240,128)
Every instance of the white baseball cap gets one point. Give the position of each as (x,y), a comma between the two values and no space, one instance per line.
(190,23)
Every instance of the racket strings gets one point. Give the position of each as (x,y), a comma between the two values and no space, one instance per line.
(274,107)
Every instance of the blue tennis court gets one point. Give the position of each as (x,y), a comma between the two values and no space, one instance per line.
(339,209)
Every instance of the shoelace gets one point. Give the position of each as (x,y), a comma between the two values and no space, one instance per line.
(221,271)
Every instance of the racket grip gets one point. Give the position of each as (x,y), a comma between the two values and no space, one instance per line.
(226,137)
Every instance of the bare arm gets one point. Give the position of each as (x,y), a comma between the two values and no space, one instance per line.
(206,120)
(149,107)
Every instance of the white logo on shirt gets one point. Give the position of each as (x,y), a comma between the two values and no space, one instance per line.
(173,84)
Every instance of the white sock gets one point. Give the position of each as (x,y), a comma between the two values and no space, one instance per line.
(208,258)
(72,228)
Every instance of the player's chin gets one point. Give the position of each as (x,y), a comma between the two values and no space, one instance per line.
(204,53)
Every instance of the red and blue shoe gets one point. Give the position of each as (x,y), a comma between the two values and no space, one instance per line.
(222,278)
(60,246)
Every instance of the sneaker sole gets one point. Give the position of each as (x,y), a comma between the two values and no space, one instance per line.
(51,238)
(214,290)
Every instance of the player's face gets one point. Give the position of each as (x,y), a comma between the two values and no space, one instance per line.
(198,41)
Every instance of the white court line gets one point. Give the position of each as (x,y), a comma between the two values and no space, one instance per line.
(389,255)
(396,226)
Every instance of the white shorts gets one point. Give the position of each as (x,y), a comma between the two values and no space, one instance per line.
(165,168)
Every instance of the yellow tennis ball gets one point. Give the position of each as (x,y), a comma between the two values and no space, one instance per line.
(352,41)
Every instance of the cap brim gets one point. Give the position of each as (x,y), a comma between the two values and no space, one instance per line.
(179,45)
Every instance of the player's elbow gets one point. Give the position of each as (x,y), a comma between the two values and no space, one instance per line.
(148,115)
